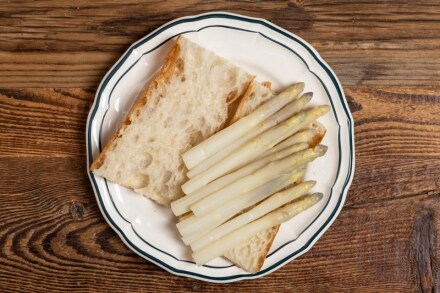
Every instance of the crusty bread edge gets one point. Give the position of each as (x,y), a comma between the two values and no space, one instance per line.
(244,99)
(162,76)
(240,106)
(236,104)
(274,231)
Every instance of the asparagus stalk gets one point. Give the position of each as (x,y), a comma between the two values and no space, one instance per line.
(244,154)
(199,225)
(223,138)
(185,216)
(253,148)
(220,246)
(247,183)
(299,137)
(280,116)
(311,116)
(181,205)
(272,203)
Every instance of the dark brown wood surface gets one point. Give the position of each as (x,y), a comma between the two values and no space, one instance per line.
(53,55)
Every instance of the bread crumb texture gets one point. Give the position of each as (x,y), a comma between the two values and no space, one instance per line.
(185,104)
(250,255)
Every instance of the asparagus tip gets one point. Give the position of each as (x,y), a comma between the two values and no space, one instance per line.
(308,96)
(318,196)
(324,108)
(321,149)
(298,86)
(310,183)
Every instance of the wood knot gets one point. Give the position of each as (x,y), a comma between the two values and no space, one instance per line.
(196,286)
(77,210)
(297,3)
(352,104)
(422,250)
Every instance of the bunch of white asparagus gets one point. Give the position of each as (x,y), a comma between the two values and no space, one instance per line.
(255,163)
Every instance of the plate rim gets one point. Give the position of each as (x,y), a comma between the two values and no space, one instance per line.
(344,189)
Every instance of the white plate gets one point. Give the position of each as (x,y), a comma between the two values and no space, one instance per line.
(271,53)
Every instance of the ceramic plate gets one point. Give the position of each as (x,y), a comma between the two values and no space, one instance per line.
(272,54)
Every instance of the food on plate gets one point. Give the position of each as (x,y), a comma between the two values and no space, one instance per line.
(234,132)
(267,172)
(254,166)
(190,99)
(206,128)
(256,146)
(193,225)
(250,254)
(275,119)
(182,205)
(243,233)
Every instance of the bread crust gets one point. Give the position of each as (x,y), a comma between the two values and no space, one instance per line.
(262,258)
(162,77)
(170,67)
(243,100)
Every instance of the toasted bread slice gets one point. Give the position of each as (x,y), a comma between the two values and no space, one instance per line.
(189,100)
(251,254)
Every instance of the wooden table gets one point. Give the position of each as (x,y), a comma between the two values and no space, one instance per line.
(54,54)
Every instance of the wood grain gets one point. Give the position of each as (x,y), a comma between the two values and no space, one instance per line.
(371,43)
(397,148)
(53,55)
(51,121)
(46,148)
(370,247)
(397,141)
(57,69)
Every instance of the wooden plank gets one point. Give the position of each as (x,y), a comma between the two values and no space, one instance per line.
(397,141)
(374,66)
(43,122)
(52,236)
(396,130)
(54,55)
(56,69)
(373,43)
(81,24)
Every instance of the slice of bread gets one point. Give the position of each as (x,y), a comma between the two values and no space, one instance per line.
(251,254)
(189,100)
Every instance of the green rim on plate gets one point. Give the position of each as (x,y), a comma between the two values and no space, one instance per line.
(221,15)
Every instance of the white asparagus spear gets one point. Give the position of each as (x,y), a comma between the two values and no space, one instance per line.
(253,148)
(200,225)
(247,183)
(244,233)
(185,216)
(181,205)
(311,116)
(190,239)
(299,137)
(223,138)
(280,116)
(244,154)
(270,204)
